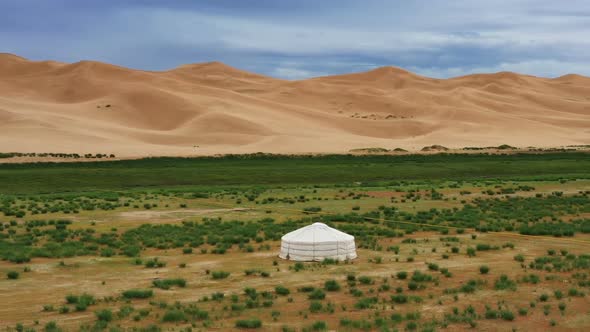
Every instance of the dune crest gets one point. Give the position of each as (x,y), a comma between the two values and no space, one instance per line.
(211,108)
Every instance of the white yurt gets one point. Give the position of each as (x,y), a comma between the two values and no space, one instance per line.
(316,242)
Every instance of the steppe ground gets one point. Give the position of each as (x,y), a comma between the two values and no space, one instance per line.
(442,232)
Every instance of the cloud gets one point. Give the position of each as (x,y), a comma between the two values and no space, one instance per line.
(544,68)
(294,73)
(299,39)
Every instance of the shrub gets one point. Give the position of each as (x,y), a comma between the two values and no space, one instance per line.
(52,327)
(558,294)
(411,326)
(315,306)
(104,315)
(167,283)
(219,274)
(217,296)
(282,290)
(543,297)
(366,303)
(249,323)
(174,315)
(82,302)
(484,247)
(365,280)
(319,326)
(504,283)
(418,276)
(399,298)
(12,275)
(332,286)
(470,252)
(573,292)
(532,278)
(470,286)
(317,294)
(125,311)
(491,314)
(154,263)
(484,269)
(519,258)
(48,307)
(397,317)
(251,293)
(138,293)
(507,315)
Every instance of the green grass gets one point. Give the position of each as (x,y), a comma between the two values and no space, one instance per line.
(260,170)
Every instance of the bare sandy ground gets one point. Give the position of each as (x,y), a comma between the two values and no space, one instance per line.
(176,214)
(211,108)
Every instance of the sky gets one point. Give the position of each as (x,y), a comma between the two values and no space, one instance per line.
(298,39)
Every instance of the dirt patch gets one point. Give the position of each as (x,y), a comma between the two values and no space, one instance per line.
(178,214)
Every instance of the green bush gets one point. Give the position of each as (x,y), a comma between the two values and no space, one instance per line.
(138,293)
(365,280)
(558,294)
(104,315)
(282,290)
(484,269)
(219,274)
(504,283)
(12,275)
(167,283)
(402,275)
(399,298)
(315,306)
(317,294)
(332,286)
(366,303)
(174,315)
(411,326)
(319,326)
(52,327)
(519,258)
(249,323)
(507,315)
(154,263)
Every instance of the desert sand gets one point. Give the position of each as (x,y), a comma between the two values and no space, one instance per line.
(212,108)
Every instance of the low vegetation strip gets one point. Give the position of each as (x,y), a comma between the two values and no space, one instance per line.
(260,169)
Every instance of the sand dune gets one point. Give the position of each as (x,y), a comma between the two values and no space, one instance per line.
(210,108)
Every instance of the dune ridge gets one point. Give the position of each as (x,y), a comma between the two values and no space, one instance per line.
(213,108)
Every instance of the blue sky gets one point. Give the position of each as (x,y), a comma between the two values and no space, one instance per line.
(304,38)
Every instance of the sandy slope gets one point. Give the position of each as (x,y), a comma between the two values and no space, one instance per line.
(91,107)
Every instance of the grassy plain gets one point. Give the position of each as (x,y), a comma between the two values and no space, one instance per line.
(150,243)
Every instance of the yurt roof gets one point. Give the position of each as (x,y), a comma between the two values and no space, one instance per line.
(317,232)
